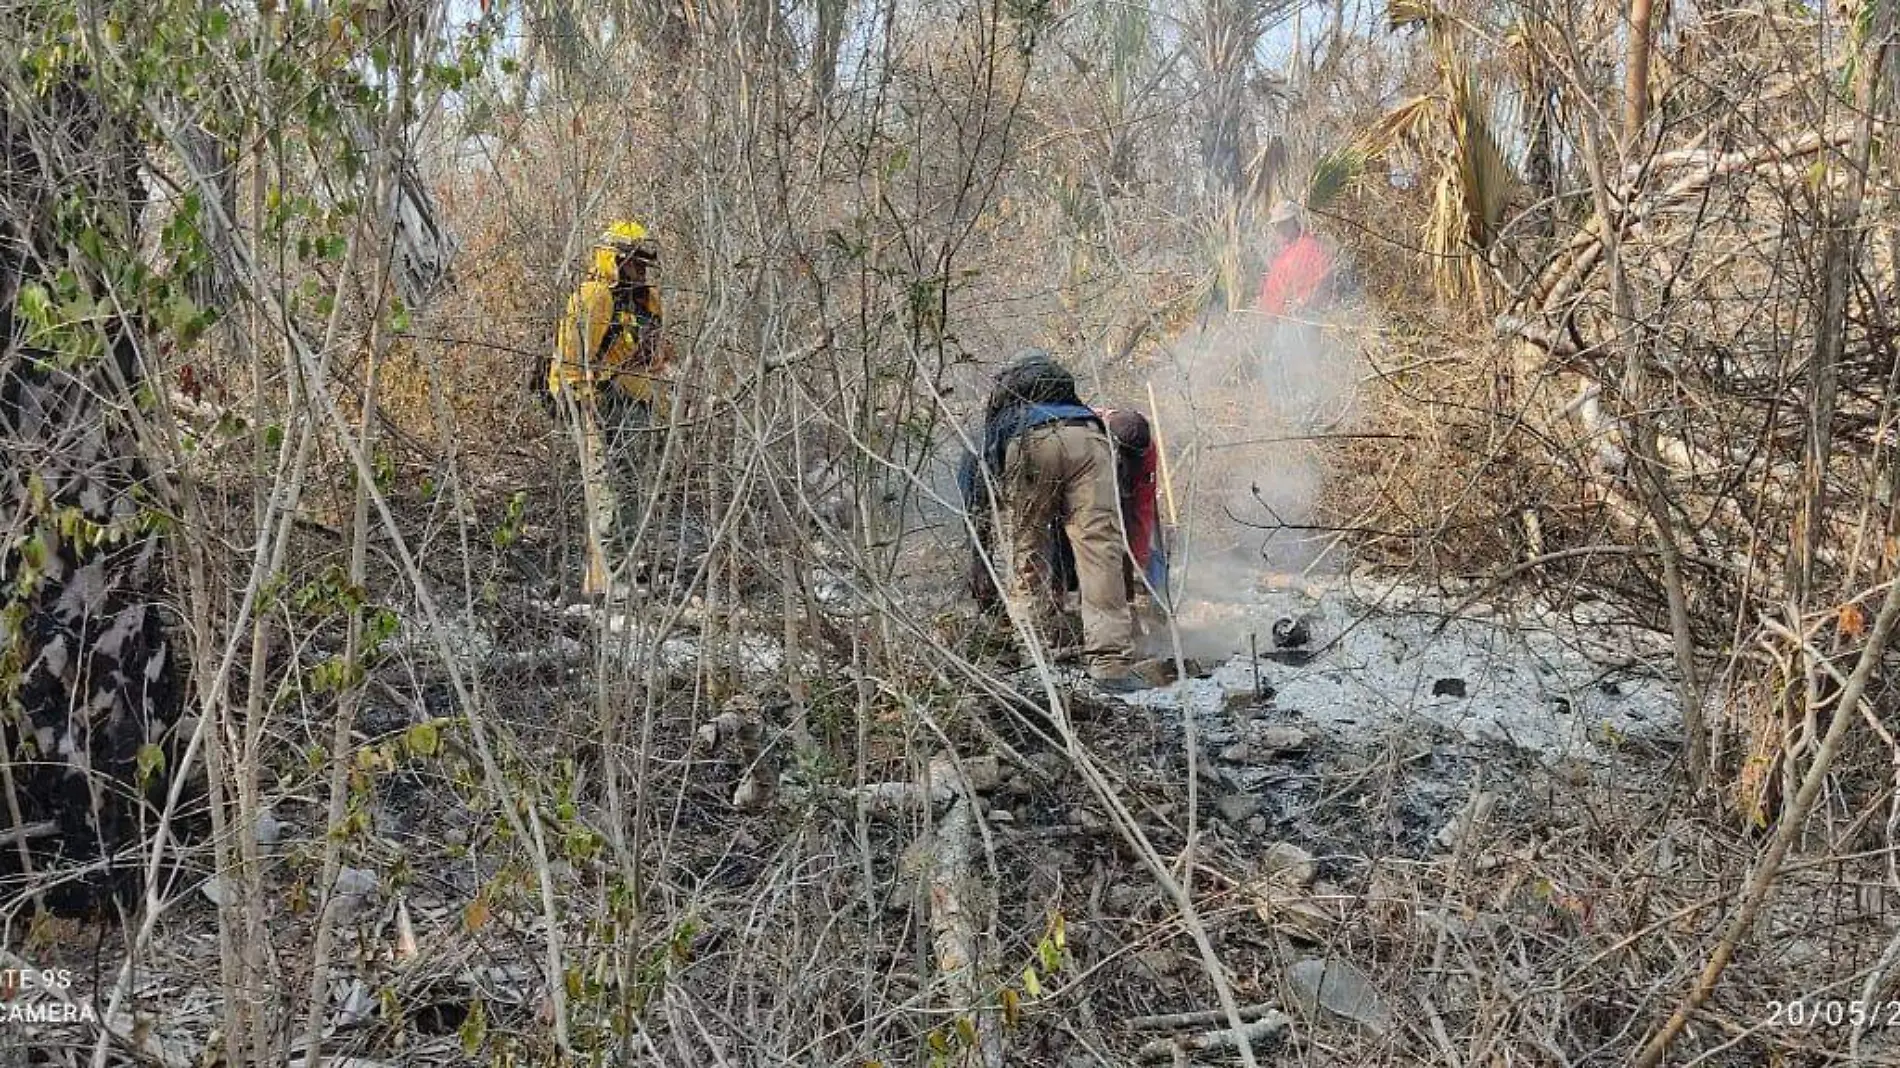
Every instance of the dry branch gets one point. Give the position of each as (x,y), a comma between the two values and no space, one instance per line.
(1264,1031)
(1792,823)
(945,784)
(1567,271)
(954,934)
(1200,1018)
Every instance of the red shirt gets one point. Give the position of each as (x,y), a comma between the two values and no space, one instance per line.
(1295,276)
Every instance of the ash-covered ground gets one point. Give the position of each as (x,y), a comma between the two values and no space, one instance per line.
(1379,657)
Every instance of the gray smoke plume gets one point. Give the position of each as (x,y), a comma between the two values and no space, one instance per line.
(1251,398)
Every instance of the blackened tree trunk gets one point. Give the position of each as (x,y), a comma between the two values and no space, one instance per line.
(89,680)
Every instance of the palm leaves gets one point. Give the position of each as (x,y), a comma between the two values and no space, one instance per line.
(1401,14)
(1224,38)
(1331,175)
(1271,173)
(1451,132)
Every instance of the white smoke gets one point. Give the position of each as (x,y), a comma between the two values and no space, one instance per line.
(1245,415)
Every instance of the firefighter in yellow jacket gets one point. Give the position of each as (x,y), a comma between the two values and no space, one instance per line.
(608,375)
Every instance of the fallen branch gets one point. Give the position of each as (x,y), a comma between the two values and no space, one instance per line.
(953,934)
(1174,1021)
(1268,1029)
(1567,270)
(40,829)
(1532,564)
(947,781)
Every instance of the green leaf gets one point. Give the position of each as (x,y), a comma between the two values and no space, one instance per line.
(581,844)
(1051,957)
(35,305)
(424,739)
(33,550)
(380,627)
(180,313)
(475,1028)
(151,763)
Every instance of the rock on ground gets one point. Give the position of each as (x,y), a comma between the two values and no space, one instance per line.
(1336,988)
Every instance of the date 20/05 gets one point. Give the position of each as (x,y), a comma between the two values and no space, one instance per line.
(1834,1012)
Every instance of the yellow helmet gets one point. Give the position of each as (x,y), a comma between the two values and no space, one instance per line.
(624,232)
(623,241)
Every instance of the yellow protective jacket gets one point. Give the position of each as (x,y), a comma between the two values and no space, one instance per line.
(636,357)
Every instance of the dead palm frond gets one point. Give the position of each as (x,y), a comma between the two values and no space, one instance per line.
(1410,122)
(1455,135)
(1402,14)
(1267,171)
(1484,176)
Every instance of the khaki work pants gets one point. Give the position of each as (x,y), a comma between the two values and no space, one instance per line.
(1068,469)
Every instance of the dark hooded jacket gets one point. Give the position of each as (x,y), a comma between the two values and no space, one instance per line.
(1031,390)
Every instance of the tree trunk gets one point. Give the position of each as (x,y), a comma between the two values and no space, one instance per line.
(1636,74)
(87,672)
(1540,158)
(824,61)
